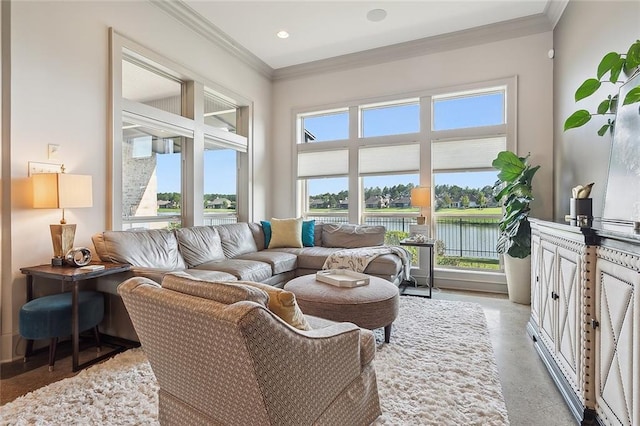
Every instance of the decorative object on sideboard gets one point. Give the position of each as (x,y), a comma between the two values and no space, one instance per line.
(622,189)
(514,190)
(613,63)
(61,191)
(580,205)
(421,197)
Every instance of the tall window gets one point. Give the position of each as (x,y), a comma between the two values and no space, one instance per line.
(376,152)
(176,145)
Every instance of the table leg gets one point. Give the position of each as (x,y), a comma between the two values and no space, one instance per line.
(431,258)
(29,349)
(74,326)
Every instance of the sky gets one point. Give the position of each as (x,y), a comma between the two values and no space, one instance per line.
(487,109)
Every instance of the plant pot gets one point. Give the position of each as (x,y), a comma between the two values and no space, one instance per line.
(518,273)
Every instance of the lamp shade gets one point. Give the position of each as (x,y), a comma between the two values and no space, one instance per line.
(421,196)
(61,191)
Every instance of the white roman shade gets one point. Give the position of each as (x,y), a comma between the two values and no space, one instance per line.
(389,159)
(466,154)
(323,163)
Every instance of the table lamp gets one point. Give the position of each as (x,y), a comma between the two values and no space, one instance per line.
(421,197)
(61,191)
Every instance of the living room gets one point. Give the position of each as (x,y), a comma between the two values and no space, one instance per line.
(58,53)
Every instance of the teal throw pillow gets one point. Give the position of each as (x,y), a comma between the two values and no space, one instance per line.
(308,233)
(266,228)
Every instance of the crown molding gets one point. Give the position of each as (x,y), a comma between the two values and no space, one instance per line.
(554,11)
(193,20)
(472,37)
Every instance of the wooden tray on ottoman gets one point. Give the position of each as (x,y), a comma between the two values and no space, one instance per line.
(342,277)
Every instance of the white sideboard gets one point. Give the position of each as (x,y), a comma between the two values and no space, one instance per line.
(585,317)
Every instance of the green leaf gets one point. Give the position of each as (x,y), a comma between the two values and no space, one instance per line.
(616,70)
(632,97)
(577,119)
(587,88)
(604,106)
(633,56)
(604,129)
(607,63)
(509,165)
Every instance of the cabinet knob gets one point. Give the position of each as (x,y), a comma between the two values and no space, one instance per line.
(594,324)
(554,295)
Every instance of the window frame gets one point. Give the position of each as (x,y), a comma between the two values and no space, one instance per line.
(190,121)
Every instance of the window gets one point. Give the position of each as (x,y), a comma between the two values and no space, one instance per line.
(396,119)
(329,126)
(177,144)
(459,111)
(439,139)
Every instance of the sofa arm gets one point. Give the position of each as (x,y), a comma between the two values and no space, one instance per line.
(367,338)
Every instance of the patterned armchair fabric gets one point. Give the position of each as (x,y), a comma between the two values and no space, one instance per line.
(239,364)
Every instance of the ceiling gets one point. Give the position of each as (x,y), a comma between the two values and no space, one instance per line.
(325,29)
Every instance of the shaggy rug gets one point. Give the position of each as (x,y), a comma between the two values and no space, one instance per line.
(439,369)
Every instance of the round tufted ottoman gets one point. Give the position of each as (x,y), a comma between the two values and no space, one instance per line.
(49,317)
(370,306)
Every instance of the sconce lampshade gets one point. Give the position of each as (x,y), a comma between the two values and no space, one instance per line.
(61,191)
(421,197)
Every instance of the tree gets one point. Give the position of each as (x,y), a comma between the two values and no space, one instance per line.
(464,200)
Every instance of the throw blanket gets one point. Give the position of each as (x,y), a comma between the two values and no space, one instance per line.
(357,259)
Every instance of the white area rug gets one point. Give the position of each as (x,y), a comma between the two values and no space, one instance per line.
(439,369)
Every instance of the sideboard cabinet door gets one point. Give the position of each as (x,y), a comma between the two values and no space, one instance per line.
(617,348)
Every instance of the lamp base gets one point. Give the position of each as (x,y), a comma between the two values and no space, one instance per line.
(57,261)
(421,220)
(62,237)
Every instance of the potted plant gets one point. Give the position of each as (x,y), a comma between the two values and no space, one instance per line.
(514,190)
(612,63)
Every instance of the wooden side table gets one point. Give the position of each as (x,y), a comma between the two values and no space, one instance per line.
(410,287)
(69,274)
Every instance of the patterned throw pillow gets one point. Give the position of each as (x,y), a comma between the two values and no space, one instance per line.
(283,304)
(286,233)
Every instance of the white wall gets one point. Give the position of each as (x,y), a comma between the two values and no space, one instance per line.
(525,57)
(584,34)
(59,89)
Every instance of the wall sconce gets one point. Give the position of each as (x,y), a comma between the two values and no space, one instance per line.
(421,197)
(61,191)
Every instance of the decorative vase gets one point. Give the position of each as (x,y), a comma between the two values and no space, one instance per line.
(518,273)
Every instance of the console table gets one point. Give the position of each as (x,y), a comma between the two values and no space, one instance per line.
(585,316)
(69,274)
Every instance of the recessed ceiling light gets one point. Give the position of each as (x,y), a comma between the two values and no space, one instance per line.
(282,34)
(376,15)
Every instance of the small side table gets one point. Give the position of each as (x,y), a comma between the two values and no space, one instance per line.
(410,287)
(73,275)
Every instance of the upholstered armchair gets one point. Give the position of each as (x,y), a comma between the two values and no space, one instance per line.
(231,361)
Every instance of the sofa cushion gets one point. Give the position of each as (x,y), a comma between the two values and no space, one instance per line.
(246,270)
(352,236)
(258,235)
(286,233)
(283,304)
(199,244)
(223,292)
(236,239)
(151,248)
(280,261)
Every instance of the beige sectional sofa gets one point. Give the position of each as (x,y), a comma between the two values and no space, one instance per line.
(226,253)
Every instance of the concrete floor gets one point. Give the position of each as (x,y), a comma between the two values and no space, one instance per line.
(531,396)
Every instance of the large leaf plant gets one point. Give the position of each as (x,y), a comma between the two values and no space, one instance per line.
(613,64)
(514,190)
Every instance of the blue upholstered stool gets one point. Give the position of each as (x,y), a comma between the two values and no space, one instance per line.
(49,317)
